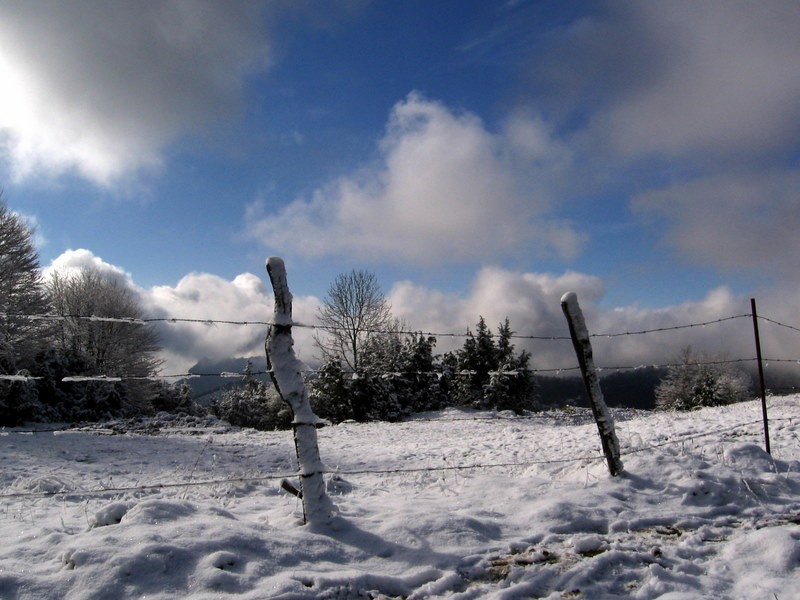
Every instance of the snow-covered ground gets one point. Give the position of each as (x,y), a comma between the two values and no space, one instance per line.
(701,511)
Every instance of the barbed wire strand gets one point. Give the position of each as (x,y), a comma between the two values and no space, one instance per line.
(467,333)
(389,374)
(778,323)
(338,472)
(669,328)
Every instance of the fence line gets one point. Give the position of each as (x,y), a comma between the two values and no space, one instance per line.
(778,323)
(212,322)
(144,488)
(366,471)
(510,373)
(669,328)
(338,472)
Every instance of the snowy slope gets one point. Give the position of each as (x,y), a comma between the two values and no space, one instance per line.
(701,512)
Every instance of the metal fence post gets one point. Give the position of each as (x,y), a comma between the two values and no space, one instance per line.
(760,375)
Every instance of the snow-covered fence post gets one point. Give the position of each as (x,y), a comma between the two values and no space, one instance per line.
(583,348)
(286,373)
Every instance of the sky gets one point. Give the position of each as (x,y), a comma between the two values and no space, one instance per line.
(481,157)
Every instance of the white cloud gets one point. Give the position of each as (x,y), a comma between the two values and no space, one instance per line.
(692,109)
(443,190)
(102,87)
(532,303)
(746,221)
(705,80)
(203,296)
(530,300)
(71,262)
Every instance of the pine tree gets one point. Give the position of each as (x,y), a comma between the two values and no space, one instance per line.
(21,337)
(330,397)
(489,375)
(22,293)
(416,385)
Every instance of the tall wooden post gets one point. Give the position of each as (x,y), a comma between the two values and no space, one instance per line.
(583,348)
(286,372)
(760,375)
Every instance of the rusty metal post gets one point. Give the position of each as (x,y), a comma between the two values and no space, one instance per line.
(760,375)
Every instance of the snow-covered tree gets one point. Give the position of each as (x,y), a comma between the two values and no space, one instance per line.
(112,348)
(176,399)
(254,404)
(490,375)
(701,381)
(398,376)
(21,293)
(329,393)
(21,337)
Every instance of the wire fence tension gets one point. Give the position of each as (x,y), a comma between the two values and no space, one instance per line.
(311,468)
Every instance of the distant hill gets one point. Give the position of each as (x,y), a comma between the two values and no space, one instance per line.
(631,389)
(209,385)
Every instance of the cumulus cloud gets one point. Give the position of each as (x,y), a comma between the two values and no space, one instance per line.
(443,189)
(205,297)
(102,87)
(531,301)
(708,80)
(72,262)
(693,110)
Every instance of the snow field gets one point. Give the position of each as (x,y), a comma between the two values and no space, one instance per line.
(701,511)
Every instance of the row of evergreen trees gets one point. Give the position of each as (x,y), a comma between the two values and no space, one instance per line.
(399,375)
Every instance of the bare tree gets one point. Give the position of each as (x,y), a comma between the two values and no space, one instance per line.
(113,348)
(21,293)
(354,310)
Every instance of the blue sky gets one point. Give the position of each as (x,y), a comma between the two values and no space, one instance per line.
(646,152)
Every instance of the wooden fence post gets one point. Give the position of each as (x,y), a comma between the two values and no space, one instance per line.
(286,373)
(583,348)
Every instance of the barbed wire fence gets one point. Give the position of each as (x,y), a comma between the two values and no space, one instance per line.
(150,489)
(144,489)
(406,332)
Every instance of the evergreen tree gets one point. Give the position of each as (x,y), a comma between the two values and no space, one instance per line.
(330,397)
(420,389)
(22,293)
(175,399)
(490,375)
(468,385)
(254,404)
(505,348)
